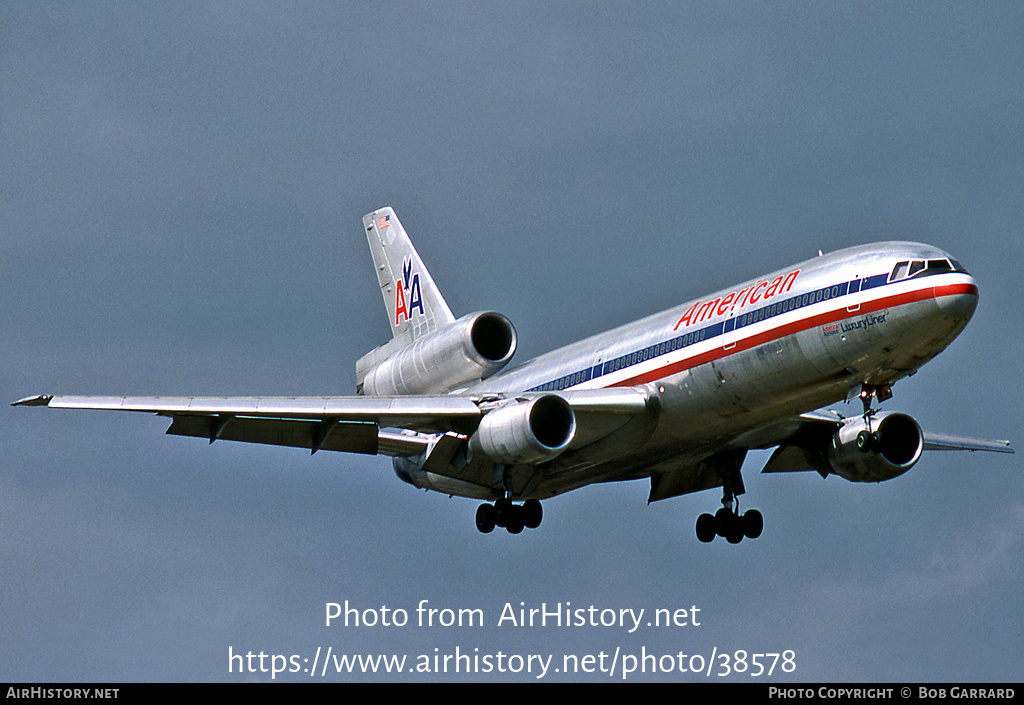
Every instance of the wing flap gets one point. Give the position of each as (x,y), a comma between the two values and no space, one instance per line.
(349,437)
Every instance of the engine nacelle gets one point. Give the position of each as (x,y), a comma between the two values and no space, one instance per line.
(890,447)
(473,347)
(525,432)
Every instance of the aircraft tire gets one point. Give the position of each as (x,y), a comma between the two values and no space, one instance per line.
(723,518)
(514,523)
(864,442)
(485,516)
(503,513)
(734,531)
(533,513)
(728,525)
(753,523)
(706,528)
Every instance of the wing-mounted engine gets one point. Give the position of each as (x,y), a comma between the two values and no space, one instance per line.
(525,431)
(471,348)
(884,447)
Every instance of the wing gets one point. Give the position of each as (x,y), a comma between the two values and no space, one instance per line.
(942,441)
(395,426)
(371,425)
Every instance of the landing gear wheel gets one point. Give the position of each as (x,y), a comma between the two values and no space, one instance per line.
(753,523)
(734,534)
(485,516)
(723,518)
(734,529)
(511,517)
(728,525)
(503,510)
(706,528)
(514,523)
(533,513)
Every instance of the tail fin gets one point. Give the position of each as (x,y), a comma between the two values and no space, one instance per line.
(414,304)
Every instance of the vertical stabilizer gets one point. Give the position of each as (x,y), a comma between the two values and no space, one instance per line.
(414,304)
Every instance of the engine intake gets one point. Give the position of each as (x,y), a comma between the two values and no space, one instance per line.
(525,432)
(888,448)
(472,348)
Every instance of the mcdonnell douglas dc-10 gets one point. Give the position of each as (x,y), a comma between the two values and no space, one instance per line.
(677,398)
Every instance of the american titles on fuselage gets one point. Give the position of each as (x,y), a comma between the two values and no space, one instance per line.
(704,310)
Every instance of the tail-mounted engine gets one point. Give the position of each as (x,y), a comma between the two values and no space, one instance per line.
(881,448)
(525,432)
(472,348)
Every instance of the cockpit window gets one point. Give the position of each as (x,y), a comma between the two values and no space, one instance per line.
(923,268)
(899,271)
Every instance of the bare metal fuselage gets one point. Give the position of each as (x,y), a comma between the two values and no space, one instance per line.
(735,369)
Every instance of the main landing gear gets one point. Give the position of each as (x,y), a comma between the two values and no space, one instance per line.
(726,522)
(511,517)
(729,525)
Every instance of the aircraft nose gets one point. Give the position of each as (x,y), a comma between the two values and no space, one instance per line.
(958,301)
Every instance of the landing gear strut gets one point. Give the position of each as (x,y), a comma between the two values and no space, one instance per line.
(511,517)
(882,392)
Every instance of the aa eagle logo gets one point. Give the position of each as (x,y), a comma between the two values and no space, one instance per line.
(407,294)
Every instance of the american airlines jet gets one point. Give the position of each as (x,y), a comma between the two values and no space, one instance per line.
(677,398)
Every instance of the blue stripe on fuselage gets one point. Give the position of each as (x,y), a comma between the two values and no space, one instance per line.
(714,330)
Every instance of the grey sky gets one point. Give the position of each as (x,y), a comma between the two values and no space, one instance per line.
(182,188)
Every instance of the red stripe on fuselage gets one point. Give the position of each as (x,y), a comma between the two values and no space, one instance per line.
(798,326)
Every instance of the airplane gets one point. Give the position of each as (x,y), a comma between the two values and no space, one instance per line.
(677,398)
